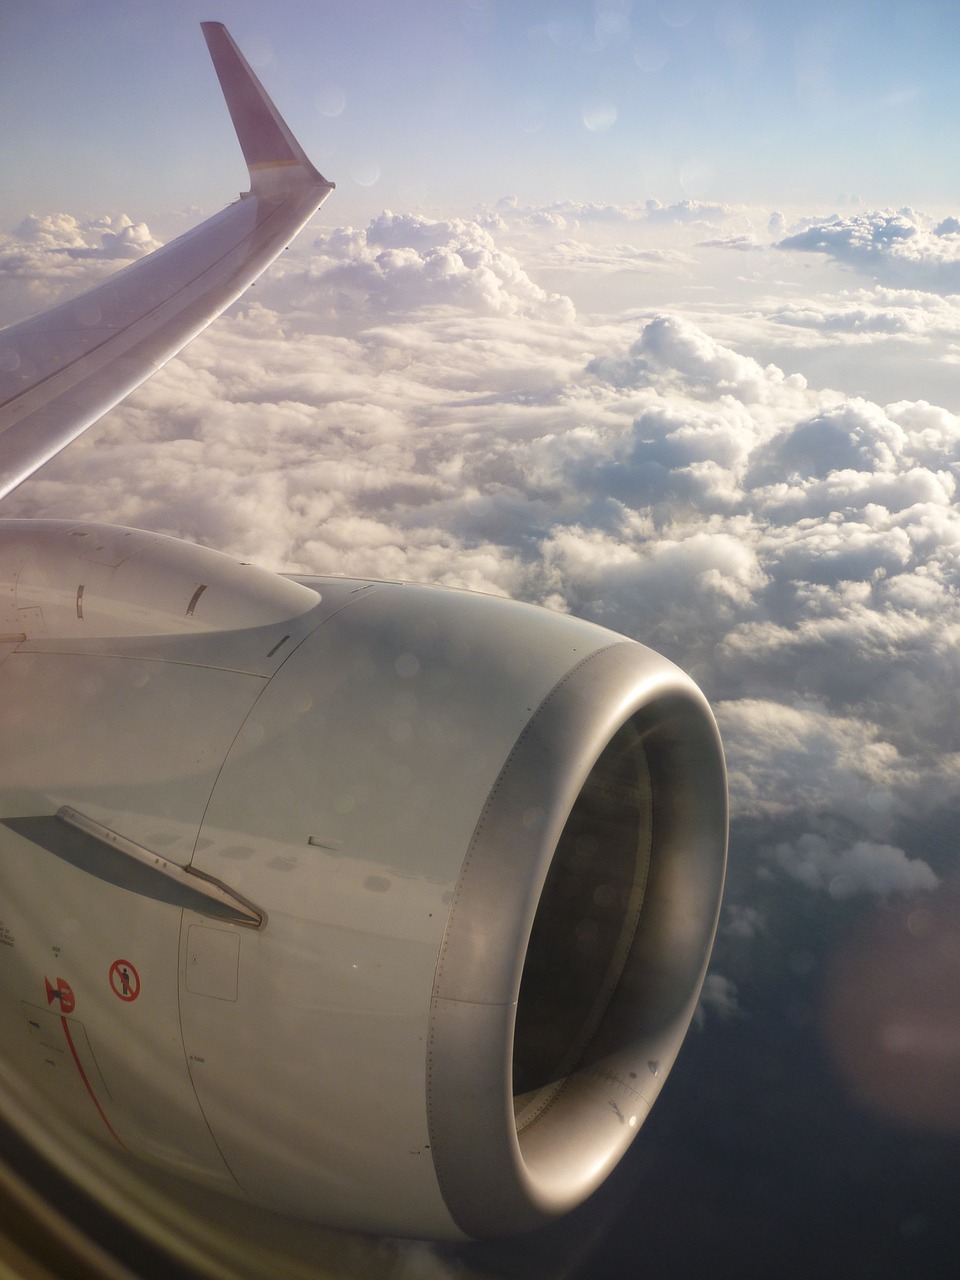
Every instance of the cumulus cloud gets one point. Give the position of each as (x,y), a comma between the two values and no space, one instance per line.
(404,262)
(719,997)
(103,237)
(811,760)
(900,248)
(54,253)
(672,352)
(861,868)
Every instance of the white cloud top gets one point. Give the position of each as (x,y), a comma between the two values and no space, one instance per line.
(863,867)
(418,400)
(902,248)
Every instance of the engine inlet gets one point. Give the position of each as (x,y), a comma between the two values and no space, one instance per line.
(577,941)
(586,922)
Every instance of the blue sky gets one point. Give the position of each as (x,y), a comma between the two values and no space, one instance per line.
(446,104)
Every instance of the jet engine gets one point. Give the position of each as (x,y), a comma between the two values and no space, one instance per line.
(378,905)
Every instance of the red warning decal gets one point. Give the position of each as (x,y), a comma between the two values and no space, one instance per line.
(124,980)
(62,992)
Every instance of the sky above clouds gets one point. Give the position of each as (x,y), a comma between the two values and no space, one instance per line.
(430,101)
(649,313)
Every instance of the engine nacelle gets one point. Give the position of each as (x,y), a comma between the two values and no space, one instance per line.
(380,905)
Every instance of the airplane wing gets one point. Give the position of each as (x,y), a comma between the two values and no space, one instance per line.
(62,370)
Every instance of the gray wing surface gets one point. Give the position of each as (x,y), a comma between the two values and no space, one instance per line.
(62,370)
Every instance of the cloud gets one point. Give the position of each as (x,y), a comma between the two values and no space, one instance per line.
(103,237)
(718,996)
(852,435)
(673,352)
(743,243)
(861,868)
(51,255)
(578,255)
(580,213)
(864,316)
(810,760)
(742,921)
(901,248)
(686,211)
(572,215)
(404,262)
(410,401)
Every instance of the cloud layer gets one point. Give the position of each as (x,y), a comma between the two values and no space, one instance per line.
(407,400)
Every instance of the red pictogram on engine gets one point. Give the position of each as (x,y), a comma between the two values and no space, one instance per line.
(62,992)
(124,980)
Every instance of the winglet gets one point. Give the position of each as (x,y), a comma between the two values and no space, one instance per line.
(278,164)
(62,370)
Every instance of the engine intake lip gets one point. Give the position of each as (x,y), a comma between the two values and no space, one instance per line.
(507,1164)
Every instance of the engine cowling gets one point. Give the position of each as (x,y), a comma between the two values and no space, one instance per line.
(482,844)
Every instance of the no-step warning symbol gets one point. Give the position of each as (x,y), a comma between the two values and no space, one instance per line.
(124,980)
(62,992)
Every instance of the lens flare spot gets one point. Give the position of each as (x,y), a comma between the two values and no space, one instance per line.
(332,101)
(599,116)
(366,174)
(407,666)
